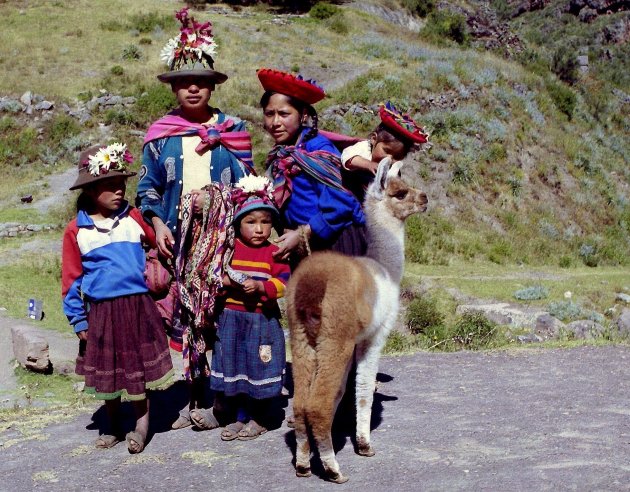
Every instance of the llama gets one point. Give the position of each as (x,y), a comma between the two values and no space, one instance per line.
(336,303)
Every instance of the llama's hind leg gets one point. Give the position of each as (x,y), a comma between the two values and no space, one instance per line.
(367,366)
(304,369)
(333,360)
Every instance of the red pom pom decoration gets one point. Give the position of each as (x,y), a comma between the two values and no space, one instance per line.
(402,124)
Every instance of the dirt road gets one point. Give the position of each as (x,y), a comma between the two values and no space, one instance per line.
(509,421)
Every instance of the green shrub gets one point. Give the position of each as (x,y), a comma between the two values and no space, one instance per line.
(120,117)
(423,313)
(155,102)
(532,293)
(463,171)
(565,261)
(148,22)
(474,331)
(131,52)
(338,24)
(111,26)
(564,64)
(446,26)
(117,70)
(323,11)
(563,97)
(60,128)
(421,8)
(565,310)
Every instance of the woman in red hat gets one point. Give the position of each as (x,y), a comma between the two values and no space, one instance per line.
(318,212)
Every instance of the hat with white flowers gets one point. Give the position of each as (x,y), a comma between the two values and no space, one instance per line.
(253,193)
(101,162)
(190,53)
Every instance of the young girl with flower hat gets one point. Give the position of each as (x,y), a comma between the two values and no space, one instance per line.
(248,360)
(318,212)
(396,136)
(123,348)
(190,147)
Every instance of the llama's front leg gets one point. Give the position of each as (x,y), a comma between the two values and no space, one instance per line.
(367,367)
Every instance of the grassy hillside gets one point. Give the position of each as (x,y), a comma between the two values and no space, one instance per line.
(524,169)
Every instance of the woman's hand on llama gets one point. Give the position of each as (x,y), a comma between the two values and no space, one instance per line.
(163,237)
(288,242)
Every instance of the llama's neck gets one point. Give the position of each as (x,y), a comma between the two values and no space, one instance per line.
(386,239)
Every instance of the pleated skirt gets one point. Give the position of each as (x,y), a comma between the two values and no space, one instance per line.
(126,351)
(249,355)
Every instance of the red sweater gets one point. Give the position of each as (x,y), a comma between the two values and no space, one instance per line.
(259,264)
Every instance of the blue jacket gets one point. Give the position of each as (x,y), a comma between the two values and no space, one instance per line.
(161,174)
(327,210)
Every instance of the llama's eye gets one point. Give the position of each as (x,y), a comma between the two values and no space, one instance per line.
(400,194)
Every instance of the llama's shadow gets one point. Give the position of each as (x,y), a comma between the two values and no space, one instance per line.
(344,424)
(169,402)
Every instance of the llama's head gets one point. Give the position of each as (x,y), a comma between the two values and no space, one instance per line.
(400,199)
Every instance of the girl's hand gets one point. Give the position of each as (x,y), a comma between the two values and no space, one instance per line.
(82,335)
(252,286)
(199,200)
(358,163)
(288,242)
(163,237)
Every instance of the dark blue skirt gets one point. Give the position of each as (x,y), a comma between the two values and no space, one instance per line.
(249,355)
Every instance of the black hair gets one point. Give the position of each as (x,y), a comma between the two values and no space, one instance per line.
(85,202)
(301,106)
(384,134)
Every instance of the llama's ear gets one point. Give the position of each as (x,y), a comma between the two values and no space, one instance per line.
(381,176)
(394,171)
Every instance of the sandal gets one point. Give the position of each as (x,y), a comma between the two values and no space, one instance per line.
(251,431)
(181,423)
(106,441)
(204,419)
(230,432)
(135,442)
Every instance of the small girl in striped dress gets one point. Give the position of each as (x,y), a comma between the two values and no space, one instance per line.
(248,361)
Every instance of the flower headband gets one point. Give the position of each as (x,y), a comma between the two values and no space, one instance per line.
(402,124)
(114,157)
(193,42)
(252,186)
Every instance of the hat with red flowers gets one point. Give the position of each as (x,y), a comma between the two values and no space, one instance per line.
(402,124)
(101,162)
(189,54)
(288,84)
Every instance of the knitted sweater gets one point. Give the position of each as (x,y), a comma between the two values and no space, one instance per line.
(259,264)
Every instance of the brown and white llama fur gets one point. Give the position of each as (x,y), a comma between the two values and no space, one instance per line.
(336,303)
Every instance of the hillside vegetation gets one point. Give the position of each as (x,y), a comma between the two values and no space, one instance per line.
(525,168)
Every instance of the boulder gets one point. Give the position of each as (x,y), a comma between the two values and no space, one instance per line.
(548,326)
(623,323)
(30,348)
(503,313)
(585,329)
(623,297)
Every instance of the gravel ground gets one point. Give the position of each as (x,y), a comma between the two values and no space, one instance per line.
(511,421)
